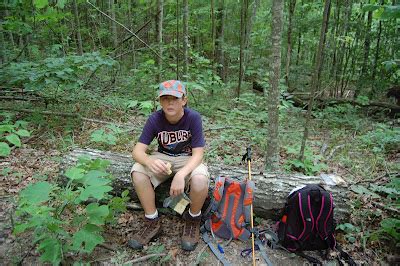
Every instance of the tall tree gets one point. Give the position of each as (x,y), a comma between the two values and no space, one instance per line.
(160,18)
(272,155)
(220,39)
(113,24)
(315,80)
(367,45)
(243,23)
(185,39)
(77,27)
(177,40)
(213,34)
(292,5)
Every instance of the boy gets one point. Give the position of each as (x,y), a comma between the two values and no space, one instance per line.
(181,143)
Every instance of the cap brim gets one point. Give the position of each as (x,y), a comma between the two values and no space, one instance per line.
(171,93)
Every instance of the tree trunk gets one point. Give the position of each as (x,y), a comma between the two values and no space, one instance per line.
(367,45)
(378,42)
(298,48)
(77,28)
(292,6)
(269,195)
(338,66)
(160,18)
(272,155)
(315,80)
(220,39)
(185,40)
(249,29)
(213,34)
(177,40)
(243,23)
(113,24)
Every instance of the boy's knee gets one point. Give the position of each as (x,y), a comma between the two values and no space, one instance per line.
(199,182)
(139,178)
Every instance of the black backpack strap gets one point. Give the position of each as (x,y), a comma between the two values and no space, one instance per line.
(306,215)
(324,220)
(345,256)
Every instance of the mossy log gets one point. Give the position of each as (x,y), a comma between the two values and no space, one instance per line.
(270,192)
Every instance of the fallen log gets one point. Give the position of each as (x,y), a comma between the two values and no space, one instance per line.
(269,195)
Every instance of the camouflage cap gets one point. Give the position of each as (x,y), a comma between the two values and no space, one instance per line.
(172,87)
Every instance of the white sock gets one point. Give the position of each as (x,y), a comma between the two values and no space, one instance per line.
(151,216)
(194,215)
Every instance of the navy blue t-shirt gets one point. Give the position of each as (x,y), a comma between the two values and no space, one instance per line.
(174,139)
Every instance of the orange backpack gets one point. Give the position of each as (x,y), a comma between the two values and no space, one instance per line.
(230,209)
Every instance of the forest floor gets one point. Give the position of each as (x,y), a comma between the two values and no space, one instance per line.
(26,162)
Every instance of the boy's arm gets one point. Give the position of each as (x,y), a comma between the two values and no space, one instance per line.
(139,154)
(178,183)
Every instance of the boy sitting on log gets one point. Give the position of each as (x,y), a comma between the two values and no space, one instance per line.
(180,137)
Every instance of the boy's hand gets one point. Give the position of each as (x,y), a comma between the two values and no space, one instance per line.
(158,167)
(177,185)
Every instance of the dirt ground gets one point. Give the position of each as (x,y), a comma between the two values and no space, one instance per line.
(22,168)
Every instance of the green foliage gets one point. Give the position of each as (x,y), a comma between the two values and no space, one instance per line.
(11,134)
(310,165)
(351,231)
(45,209)
(53,76)
(382,139)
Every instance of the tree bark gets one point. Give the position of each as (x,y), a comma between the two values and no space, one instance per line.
(315,80)
(185,40)
(292,6)
(78,26)
(160,18)
(220,39)
(367,45)
(243,23)
(177,41)
(272,155)
(269,195)
(113,24)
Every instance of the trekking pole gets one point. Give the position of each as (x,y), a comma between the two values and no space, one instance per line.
(248,157)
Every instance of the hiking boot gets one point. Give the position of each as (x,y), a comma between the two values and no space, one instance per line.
(191,232)
(150,229)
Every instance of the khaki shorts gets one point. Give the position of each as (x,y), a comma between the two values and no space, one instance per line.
(177,163)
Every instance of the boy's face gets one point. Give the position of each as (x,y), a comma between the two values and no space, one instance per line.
(171,105)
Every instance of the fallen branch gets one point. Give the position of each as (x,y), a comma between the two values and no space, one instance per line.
(107,247)
(144,258)
(384,207)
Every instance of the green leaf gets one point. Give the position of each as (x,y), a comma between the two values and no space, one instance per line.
(61,3)
(5,150)
(23,133)
(40,3)
(87,238)
(51,249)
(14,139)
(363,190)
(94,179)
(75,173)
(37,192)
(391,226)
(96,213)
(6,128)
(391,12)
(114,128)
(370,7)
(95,192)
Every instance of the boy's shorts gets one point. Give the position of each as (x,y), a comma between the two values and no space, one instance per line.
(177,163)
